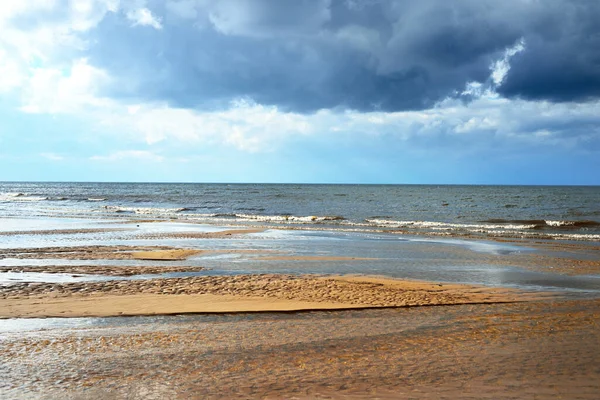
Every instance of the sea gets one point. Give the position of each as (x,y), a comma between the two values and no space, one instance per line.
(545,212)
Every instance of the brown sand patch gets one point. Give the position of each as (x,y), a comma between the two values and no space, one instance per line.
(99,253)
(165,255)
(78,252)
(271,292)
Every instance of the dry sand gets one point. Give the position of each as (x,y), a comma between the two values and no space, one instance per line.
(240,293)
(153,304)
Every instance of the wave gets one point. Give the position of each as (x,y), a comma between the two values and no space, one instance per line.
(290,218)
(96,199)
(445,225)
(541,223)
(145,210)
(576,224)
(495,226)
(18,197)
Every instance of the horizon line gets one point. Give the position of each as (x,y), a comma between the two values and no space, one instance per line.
(302,183)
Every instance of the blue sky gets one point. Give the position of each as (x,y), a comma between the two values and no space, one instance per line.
(301,91)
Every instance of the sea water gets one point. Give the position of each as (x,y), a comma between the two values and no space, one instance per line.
(554,212)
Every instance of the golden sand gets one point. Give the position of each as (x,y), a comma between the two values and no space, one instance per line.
(241,293)
(165,255)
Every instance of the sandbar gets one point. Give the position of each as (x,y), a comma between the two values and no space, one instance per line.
(165,255)
(239,293)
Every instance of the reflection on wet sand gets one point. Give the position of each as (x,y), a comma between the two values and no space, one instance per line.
(542,350)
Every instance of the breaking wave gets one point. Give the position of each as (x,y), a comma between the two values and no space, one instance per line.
(19,197)
(144,210)
(542,224)
(445,225)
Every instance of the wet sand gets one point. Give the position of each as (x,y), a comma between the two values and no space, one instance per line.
(532,350)
(120,252)
(106,270)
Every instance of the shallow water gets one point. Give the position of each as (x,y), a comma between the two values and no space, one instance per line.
(301,251)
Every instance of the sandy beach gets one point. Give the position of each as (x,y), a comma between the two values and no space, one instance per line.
(210,333)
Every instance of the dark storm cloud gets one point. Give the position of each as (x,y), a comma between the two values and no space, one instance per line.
(562,61)
(365,55)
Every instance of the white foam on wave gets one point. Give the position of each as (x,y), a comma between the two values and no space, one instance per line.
(288,218)
(276,219)
(144,210)
(560,223)
(445,225)
(96,199)
(543,235)
(19,197)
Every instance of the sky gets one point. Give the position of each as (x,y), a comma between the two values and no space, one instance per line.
(315,91)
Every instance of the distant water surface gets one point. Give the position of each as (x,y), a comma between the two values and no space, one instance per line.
(558,212)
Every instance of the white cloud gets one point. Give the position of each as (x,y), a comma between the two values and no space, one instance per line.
(144,17)
(45,43)
(11,73)
(10,9)
(501,67)
(246,125)
(71,90)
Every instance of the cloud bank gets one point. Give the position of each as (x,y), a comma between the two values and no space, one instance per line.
(176,79)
